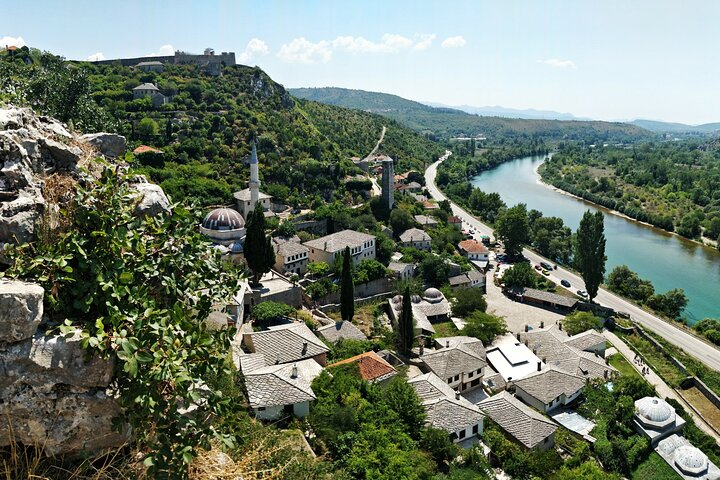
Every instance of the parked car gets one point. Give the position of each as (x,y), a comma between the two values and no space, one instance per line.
(538,267)
(582,293)
(547,266)
(623,314)
(545,272)
(565,283)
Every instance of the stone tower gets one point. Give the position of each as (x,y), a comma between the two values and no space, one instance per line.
(388,183)
(254,183)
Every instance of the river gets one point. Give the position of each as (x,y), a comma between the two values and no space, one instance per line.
(668,261)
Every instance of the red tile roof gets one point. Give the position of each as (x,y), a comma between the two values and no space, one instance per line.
(454,219)
(472,246)
(146,149)
(430,206)
(371,365)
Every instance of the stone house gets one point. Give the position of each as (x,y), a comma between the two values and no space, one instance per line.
(287,343)
(291,258)
(549,389)
(529,428)
(459,362)
(328,248)
(416,238)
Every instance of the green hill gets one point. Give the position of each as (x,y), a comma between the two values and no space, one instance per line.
(668,127)
(448,122)
(206,127)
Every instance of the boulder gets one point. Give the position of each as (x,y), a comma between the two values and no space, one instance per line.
(110,144)
(46,361)
(19,214)
(64,158)
(61,422)
(21,310)
(151,200)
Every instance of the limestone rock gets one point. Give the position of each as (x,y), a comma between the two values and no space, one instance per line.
(152,200)
(61,422)
(110,144)
(43,362)
(21,309)
(19,214)
(65,158)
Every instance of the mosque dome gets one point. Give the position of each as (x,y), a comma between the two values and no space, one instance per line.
(433,295)
(655,410)
(690,460)
(222,219)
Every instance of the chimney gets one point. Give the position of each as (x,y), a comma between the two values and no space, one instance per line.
(294,371)
(560,326)
(325,247)
(542,324)
(526,342)
(605,373)
(517,335)
(539,366)
(277,358)
(304,350)
(457,395)
(447,344)
(527,328)
(421,349)
(534,351)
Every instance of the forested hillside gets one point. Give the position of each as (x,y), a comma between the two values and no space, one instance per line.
(448,122)
(206,126)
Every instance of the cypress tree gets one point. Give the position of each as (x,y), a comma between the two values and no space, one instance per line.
(406,329)
(347,288)
(258,250)
(590,251)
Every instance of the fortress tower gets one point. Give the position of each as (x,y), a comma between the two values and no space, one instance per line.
(388,183)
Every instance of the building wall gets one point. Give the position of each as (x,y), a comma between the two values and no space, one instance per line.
(468,432)
(244,207)
(530,400)
(301,409)
(364,253)
(546,444)
(424,245)
(286,266)
(269,413)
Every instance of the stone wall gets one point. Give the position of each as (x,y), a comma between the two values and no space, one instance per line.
(51,395)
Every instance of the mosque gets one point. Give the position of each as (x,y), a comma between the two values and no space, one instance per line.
(225,226)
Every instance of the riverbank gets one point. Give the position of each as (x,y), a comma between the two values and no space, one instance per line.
(705,242)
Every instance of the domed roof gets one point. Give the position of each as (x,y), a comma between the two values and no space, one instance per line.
(415,299)
(397,299)
(223,219)
(690,459)
(655,410)
(433,295)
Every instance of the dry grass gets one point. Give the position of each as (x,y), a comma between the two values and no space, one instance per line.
(707,409)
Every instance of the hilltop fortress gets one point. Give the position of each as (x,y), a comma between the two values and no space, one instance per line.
(208,59)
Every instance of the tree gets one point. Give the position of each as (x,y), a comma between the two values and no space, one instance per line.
(406,325)
(401,220)
(628,283)
(513,229)
(484,326)
(578,322)
(402,398)
(468,300)
(434,270)
(590,251)
(347,288)
(671,303)
(258,250)
(147,128)
(520,275)
(265,312)
(446,207)
(437,442)
(318,269)
(286,229)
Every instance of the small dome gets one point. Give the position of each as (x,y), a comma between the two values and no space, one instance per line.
(690,460)
(415,299)
(655,410)
(670,444)
(397,299)
(223,219)
(433,295)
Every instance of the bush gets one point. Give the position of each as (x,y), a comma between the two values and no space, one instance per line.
(520,275)
(578,322)
(266,312)
(484,326)
(468,300)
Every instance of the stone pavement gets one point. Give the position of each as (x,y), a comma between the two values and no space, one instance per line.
(663,389)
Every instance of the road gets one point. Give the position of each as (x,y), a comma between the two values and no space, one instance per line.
(375,187)
(706,353)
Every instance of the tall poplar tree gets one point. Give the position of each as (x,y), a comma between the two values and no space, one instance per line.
(258,249)
(590,251)
(347,288)
(406,329)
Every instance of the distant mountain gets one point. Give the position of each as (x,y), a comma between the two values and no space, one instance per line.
(498,111)
(669,127)
(440,123)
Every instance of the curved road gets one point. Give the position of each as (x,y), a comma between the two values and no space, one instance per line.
(704,352)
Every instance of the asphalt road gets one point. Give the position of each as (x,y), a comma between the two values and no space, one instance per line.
(705,352)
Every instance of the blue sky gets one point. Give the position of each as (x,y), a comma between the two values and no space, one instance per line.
(610,60)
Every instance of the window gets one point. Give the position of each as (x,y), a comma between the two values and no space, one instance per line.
(471,374)
(261,409)
(450,380)
(475,429)
(461,435)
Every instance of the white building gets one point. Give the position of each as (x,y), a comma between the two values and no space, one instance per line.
(415,238)
(403,271)
(291,258)
(476,252)
(328,248)
(512,359)
(549,389)
(656,419)
(459,362)
(431,307)
(470,279)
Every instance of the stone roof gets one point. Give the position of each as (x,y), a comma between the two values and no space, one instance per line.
(244,195)
(585,340)
(547,297)
(472,246)
(414,185)
(251,361)
(458,280)
(426,220)
(335,331)
(398,266)
(286,343)
(549,384)
(288,249)
(460,357)
(472,343)
(146,86)
(522,422)
(336,242)
(414,235)
(372,367)
(443,409)
(284,384)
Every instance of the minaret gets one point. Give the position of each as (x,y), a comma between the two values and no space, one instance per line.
(254,179)
(387,183)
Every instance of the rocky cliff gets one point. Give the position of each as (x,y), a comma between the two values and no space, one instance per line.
(53,393)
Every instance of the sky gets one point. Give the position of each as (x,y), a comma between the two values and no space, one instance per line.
(608,60)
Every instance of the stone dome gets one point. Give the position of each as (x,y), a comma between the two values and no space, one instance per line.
(433,295)
(415,299)
(397,299)
(690,460)
(655,410)
(222,219)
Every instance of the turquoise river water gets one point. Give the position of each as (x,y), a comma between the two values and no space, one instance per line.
(667,260)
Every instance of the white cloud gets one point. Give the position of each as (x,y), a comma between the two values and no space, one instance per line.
(300,50)
(164,51)
(555,63)
(453,42)
(424,42)
(255,47)
(95,57)
(11,41)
